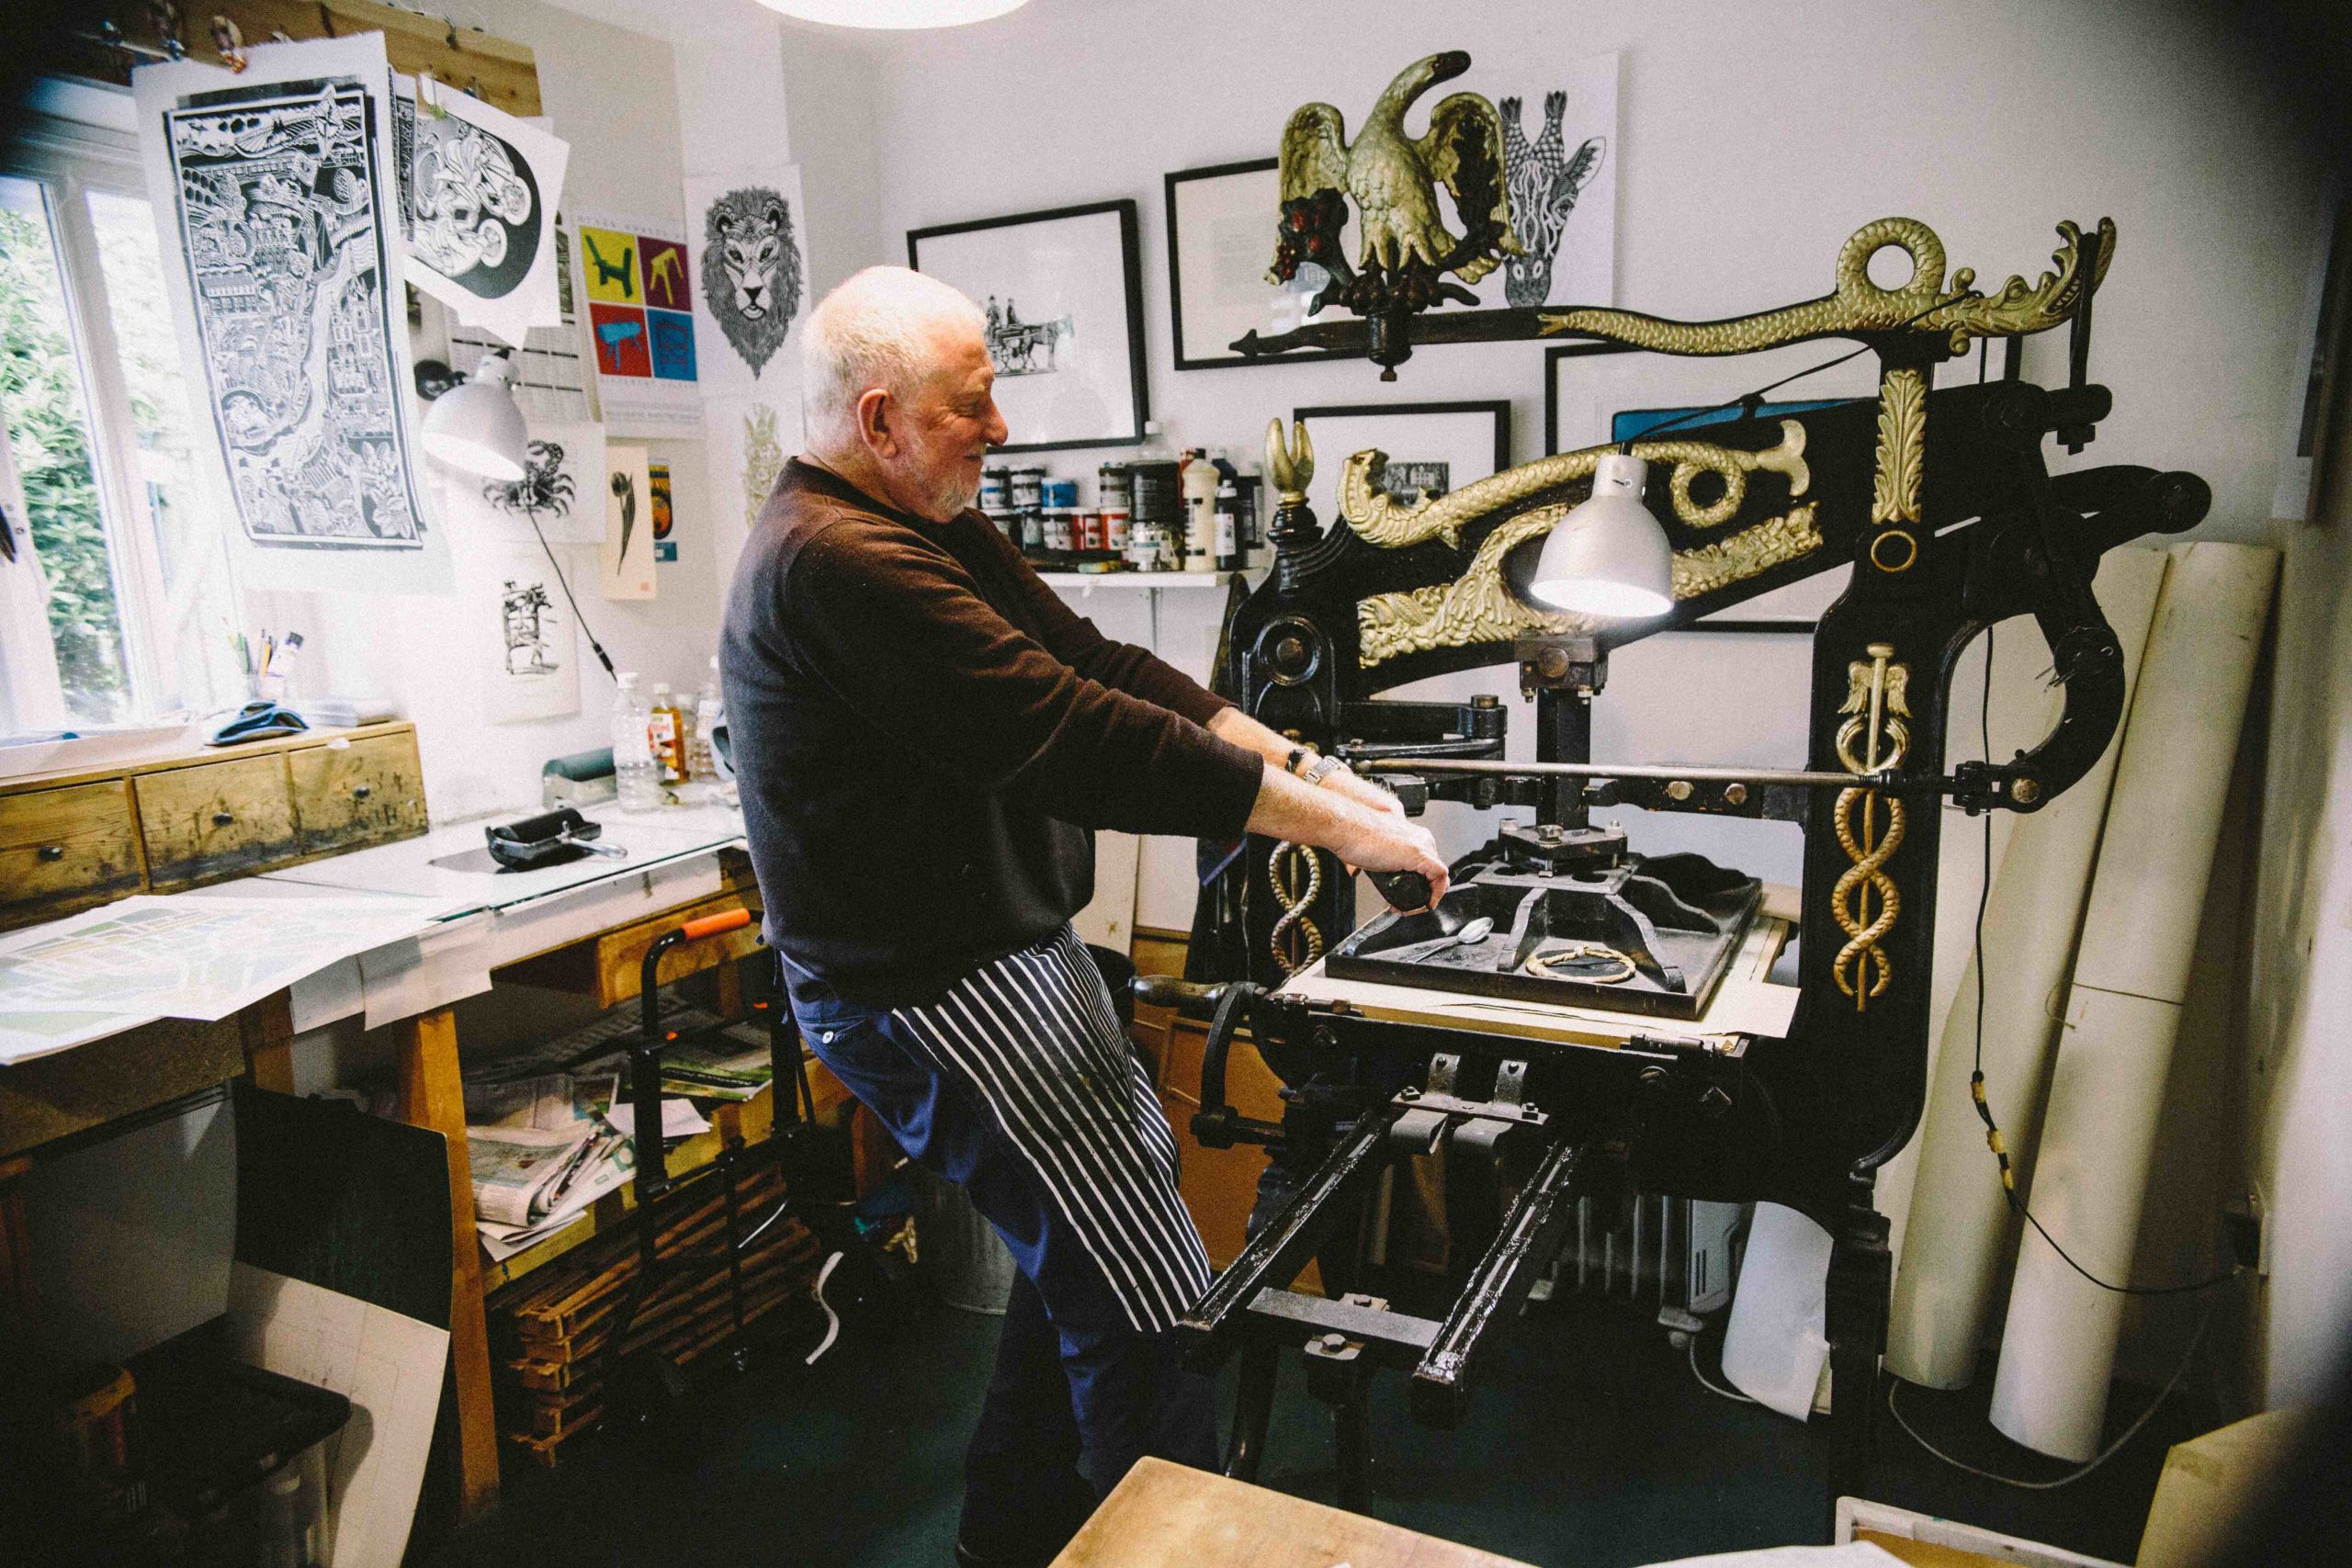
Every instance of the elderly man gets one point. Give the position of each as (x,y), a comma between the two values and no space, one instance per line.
(924,735)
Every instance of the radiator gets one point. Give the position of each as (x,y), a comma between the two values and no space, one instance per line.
(1673,1256)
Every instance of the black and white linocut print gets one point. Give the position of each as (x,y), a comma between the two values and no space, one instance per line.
(480,222)
(556,497)
(1407,483)
(752,277)
(1025,347)
(1560,155)
(289,263)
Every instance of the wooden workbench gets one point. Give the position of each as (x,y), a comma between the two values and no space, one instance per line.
(1167,1515)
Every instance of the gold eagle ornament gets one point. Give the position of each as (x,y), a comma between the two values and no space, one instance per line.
(1393,177)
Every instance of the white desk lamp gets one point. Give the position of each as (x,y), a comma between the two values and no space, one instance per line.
(1608,557)
(475,427)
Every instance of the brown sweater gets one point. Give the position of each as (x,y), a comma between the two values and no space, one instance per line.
(924,735)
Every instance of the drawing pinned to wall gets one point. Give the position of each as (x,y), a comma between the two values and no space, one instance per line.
(1560,167)
(563,471)
(483,188)
(634,276)
(657,480)
(274,190)
(625,563)
(764,457)
(533,672)
(754,275)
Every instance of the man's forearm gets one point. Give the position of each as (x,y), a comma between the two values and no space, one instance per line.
(1233,725)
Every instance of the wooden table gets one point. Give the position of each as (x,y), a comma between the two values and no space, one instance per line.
(1167,1515)
(593,953)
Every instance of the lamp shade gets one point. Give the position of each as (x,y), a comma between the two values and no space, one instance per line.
(475,427)
(1608,557)
(902,15)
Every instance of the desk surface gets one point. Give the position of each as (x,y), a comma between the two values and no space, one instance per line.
(1165,1516)
(453,925)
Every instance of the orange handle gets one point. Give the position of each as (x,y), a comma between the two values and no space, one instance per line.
(712,925)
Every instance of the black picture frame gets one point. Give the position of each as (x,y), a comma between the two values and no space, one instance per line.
(1328,460)
(1223,358)
(1131,274)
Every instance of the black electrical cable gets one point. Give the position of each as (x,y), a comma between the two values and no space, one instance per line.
(1751,399)
(1976,1078)
(602,657)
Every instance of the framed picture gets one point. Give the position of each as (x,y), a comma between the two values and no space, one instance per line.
(1221,224)
(1433,448)
(1064,295)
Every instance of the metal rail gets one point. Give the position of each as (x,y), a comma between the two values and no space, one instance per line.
(1801,778)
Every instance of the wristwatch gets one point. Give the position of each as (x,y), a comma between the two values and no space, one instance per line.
(1322,768)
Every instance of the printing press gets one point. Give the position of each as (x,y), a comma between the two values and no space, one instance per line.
(1577,1020)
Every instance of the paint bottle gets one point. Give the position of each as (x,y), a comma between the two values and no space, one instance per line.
(665,735)
(1199,481)
(1229,527)
(709,713)
(1154,482)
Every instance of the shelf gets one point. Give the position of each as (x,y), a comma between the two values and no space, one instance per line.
(1089,581)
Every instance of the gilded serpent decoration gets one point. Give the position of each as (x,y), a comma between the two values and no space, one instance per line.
(1378,518)
(1858,306)
(1479,606)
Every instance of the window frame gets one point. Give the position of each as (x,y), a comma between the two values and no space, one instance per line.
(80,138)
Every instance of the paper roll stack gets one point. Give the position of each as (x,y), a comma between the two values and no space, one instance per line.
(1960,1224)
(2098,1133)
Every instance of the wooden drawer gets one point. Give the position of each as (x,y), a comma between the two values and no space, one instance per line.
(215,820)
(63,850)
(369,791)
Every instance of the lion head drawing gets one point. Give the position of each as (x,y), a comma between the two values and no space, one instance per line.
(751,271)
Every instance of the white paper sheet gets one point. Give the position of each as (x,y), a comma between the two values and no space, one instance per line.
(27,1035)
(389,1366)
(277,212)
(429,970)
(562,491)
(189,955)
(752,279)
(625,563)
(521,633)
(483,189)
(679,1118)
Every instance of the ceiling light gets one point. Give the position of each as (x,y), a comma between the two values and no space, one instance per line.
(475,427)
(904,16)
(1608,557)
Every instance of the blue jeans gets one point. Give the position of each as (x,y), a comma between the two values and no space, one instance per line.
(1019,1086)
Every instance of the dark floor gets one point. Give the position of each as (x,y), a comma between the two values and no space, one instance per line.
(1590,1443)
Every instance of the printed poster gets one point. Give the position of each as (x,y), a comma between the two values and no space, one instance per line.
(276,206)
(665,548)
(563,479)
(482,189)
(522,620)
(754,275)
(639,292)
(625,563)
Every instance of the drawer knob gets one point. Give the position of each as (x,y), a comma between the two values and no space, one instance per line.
(50,854)
(222,819)
(361,791)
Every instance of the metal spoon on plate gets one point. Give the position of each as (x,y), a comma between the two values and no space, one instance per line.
(1472,933)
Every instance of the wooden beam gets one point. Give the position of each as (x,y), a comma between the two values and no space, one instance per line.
(267,1031)
(502,73)
(432,1097)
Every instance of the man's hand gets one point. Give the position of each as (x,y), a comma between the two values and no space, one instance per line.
(1374,839)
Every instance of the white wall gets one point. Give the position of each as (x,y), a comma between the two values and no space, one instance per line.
(1752,141)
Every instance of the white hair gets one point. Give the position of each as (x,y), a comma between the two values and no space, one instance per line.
(876,329)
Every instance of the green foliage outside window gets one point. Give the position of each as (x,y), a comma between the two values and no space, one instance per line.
(50,439)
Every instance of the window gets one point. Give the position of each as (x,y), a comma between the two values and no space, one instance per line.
(120,603)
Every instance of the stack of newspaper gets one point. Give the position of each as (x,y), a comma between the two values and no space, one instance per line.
(548,1131)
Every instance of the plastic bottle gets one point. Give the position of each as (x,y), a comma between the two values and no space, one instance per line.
(665,733)
(1200,481)
(641,786)
(711,712)
(1229,527)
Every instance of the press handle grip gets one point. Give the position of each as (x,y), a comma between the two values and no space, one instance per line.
(713,925)
(1405,890)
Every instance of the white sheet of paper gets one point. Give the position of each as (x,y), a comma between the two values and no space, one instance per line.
(192,956)
(625,564)
(429,970)
(679,1118)
(27,1035)
(389,1366)
(562,494)
(276,210)
(521,632)
(484,188)
(751,283)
